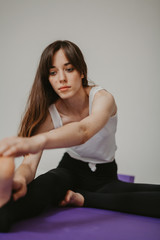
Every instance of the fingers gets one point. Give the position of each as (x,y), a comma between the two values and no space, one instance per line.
(14,146)
(4,145)
(19,188)
(14,151)
(8,146)
(20,193)
(19,146)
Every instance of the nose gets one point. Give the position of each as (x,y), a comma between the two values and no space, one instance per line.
(62,76)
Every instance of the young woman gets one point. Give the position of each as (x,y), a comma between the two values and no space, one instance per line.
(64,111)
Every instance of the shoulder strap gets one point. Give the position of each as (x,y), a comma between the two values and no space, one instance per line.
(92,93)
(56,119)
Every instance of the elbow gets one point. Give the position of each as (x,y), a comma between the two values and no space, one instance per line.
(84,136)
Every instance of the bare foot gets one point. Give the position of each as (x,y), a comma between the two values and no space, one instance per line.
(72,199)
(6,178)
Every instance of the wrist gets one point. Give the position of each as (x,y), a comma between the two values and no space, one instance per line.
(22,174)
(40,140)
(43,140)
(19,177)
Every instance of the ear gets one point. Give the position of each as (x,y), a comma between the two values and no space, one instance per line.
(82,75)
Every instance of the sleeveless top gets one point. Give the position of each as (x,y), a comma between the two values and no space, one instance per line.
(101,147)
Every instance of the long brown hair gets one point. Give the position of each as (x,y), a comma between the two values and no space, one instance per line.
(42,94)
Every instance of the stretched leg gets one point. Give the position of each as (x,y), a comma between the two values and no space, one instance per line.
(47,189)
(118,186)
(141,199)
(6,178)
(146,203)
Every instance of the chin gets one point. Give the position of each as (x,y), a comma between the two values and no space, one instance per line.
(66,95)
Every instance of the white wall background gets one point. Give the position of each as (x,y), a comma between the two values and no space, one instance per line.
(120,40)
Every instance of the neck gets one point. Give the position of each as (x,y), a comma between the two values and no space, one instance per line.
(76,104)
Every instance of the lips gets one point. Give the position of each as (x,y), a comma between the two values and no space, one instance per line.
(64,88)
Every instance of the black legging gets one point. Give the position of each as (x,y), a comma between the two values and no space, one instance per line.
(101,189)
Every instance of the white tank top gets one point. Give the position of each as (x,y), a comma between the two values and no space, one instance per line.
(101,147)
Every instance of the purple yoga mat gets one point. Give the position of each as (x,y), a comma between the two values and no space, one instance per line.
(85,224)
(126,178)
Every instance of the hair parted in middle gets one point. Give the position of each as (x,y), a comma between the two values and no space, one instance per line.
(42,94)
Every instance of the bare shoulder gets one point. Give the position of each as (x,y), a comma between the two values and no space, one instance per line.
(105,99)
(100,93)
(105,93)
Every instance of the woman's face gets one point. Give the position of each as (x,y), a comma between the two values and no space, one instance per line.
(63,77)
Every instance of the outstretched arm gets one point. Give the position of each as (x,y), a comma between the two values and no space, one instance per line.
(16,182)
(72,134)
(77,133)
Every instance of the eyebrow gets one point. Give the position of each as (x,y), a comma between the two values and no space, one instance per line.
(66,64)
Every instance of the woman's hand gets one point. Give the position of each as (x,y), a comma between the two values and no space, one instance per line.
(19,188)
(18,146)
